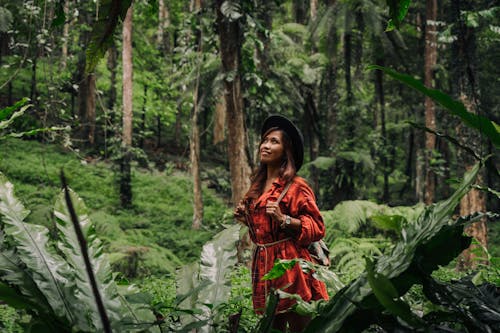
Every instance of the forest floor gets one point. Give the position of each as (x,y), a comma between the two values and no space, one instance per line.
(152,237)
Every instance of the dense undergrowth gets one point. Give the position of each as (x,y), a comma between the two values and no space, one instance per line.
(147,243)
(152,238)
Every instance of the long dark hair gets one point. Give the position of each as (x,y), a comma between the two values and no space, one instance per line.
(287,169)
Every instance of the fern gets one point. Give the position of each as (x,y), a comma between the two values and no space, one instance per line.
(349,216)
(348,254)
(430,241)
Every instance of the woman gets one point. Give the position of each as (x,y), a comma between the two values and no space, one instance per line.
(283,230)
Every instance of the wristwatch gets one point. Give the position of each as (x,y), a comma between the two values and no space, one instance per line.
(287,222)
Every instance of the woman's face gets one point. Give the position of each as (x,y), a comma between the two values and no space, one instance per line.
(272,149)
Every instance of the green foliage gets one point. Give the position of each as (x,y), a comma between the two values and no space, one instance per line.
(137,240)
(9,320)
(48,279)
(397,12)
(347,255)
(428,242)
(209,284)
(110,13)
(482,124)
(355,216)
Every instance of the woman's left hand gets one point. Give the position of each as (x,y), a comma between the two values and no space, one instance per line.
(273,210)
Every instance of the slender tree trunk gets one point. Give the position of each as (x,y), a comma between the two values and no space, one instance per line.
(313,9)
(163,38)
(379,88)
(143,117)
(430,110)
(90,113)
(230,37)
(347,64)
(125,181)
(64,49)
(33,90)
(112,64)
(194,149)
(194,140)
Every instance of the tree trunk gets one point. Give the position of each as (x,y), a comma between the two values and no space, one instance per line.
(112,64)
(463,55)
(430,56)
(300,11)
(33,90)
(90,113)
(143,117)
(163,38)
(379,89)
(194,149)
(230,37)
(313,9)
(125,181)
(194,140)
(64,48)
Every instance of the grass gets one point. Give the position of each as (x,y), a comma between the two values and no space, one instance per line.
(153,237)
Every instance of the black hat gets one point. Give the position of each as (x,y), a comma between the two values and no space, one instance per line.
(292,131)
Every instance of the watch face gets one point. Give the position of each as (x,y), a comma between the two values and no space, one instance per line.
(288,220)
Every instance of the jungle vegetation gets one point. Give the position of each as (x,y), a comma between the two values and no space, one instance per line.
(129,129)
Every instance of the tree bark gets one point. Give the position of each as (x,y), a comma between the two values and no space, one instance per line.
(194,140)
(194,149)
(64,48)
(230,37)
(125,181)
(379,89)
(463,55)
(430,56)
(90,113)
(313,9)
(163,39)
(143,117)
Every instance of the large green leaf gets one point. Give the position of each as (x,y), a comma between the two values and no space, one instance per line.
(479,122)
(207,286)
(110,13)
(403,267)
(69,246)
(47,269)
(218,257)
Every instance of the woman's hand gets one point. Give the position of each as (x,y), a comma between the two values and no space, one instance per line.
(239,212)
(274,211)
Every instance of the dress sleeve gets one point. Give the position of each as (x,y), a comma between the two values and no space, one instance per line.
(313,228)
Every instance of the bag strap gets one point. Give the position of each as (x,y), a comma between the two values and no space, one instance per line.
(282,194)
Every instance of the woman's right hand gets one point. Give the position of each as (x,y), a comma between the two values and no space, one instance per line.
(239,212)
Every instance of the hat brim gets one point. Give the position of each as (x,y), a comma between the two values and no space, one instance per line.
(292,131)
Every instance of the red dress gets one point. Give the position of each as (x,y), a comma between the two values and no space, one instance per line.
(299,202)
